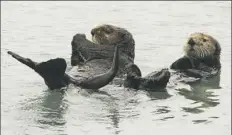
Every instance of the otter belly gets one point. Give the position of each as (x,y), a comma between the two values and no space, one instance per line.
(91,68)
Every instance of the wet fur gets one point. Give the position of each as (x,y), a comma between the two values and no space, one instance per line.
(95,56)
(154,81)
(202,53)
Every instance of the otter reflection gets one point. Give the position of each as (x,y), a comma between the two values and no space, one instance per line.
(201,92)
(159,94)
(53,109)
(115,118)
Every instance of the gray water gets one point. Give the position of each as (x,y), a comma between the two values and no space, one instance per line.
(44,30)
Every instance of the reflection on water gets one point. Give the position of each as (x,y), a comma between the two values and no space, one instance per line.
(201,93)
(114,116)
(200,121)
(167,118)
(53,109)
(158,95)
(55,104)
(162,109)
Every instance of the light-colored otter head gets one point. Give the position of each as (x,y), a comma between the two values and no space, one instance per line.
(107,34)
(200,46)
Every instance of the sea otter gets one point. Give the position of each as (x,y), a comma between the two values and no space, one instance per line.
(89,59)
(85,54)
(202,56)
(92,57)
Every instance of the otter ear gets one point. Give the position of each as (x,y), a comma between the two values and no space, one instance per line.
(218,48)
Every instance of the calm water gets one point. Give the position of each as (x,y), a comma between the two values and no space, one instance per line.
(44,30)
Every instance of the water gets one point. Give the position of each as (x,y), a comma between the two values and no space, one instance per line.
(44,30)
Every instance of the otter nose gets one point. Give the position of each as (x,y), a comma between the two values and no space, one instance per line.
(191,42)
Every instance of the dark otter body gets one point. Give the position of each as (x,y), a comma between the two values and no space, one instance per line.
(96,57)
(92,58)
(200,69)
(99,81)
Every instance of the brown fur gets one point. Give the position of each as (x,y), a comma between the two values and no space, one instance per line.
(204,46)
(106,34)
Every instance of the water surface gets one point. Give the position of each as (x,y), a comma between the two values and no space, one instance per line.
(44,30)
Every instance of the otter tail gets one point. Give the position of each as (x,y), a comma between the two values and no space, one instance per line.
(52,71)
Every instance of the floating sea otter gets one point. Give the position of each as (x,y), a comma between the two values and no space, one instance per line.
(89,59)
(98,53)
(202,57)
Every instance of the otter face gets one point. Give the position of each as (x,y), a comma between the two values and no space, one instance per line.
(107,34)
(201,45)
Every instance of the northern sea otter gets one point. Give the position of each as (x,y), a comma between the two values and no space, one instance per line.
(89,59)
(202,56)
(85,54)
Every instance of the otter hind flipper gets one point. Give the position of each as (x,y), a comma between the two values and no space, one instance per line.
(52,71)
(151,82)
(54,66)
(155,80)
(23,60)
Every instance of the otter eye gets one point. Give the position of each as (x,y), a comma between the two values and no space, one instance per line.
(204,40)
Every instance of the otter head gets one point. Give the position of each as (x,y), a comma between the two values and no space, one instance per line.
(200,46)
(112,35)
